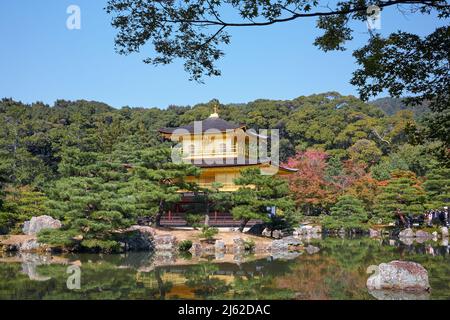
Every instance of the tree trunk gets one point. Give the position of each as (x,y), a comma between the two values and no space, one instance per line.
(161,287)
(243,224)
(159,214)
(206,222)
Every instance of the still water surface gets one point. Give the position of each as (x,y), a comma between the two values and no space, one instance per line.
(337,271)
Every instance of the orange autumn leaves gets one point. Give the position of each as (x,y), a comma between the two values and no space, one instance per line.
(316,186)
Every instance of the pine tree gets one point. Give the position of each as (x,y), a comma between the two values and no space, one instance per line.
(258,193)
(20,204)
(404,192)
(348,213)
(437,186)
(166,178)
(92,206)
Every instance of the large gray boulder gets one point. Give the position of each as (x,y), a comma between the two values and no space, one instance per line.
(36,224)
(399,295)
(311,249)
(219,246)
(307,230)
(399,275)
(423,234)
(165,242)
(407,233)
(238,245)
(135,238)
(277,234)
(374,233)
(256,229)
(31,245)
(266,233)
(283,245)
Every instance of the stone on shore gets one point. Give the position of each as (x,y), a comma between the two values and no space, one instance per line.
(219,246)
(399,275)
(36,224)
(407,233)
(257,229)
(266,233)
(165,242)
(196,249)
(277,234)
(312,249)
(374,233)
(307,230)
(399,295)
(423,234)
(238,246)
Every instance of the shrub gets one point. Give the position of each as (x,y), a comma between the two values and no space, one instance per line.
(194,220)
(185,245)
(209,232)
(249,245)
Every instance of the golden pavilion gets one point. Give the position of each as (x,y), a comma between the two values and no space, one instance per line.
(221,149)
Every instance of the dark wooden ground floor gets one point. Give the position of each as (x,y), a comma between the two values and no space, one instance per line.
(197,204)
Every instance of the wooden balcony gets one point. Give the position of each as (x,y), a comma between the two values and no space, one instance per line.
(232,152)
(224,187)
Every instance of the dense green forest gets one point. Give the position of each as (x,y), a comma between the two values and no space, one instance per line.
(98,168)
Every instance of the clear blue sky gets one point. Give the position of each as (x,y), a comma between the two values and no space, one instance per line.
(41,60)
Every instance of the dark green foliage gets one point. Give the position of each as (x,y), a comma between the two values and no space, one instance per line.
(348,214)
(103,168)
(20,204)
(258,193)
(437,186)
(403,192)
(185,245)
(249,245)
(209,232)
(194,220)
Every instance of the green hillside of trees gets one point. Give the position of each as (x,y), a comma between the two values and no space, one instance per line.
(72,160)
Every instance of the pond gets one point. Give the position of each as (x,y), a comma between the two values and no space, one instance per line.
(337,271)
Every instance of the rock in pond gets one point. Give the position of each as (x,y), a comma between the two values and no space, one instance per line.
(307,230)
(196,249)
(423,234)
(374,233)
(399,295)
(284,244)
(407,233)
(257,229)
(219,246)
(266,233)
(399,275)
(135,238)
(277,234)
(36,224)
(165,242)
(32,245)
(312,249)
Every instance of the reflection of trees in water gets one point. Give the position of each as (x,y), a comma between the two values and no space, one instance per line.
(337,272)
(205,284)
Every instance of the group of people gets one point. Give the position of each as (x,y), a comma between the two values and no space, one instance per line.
(430,217)
(439,217)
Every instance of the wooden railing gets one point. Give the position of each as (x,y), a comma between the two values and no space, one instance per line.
(228,153)
(217,220)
